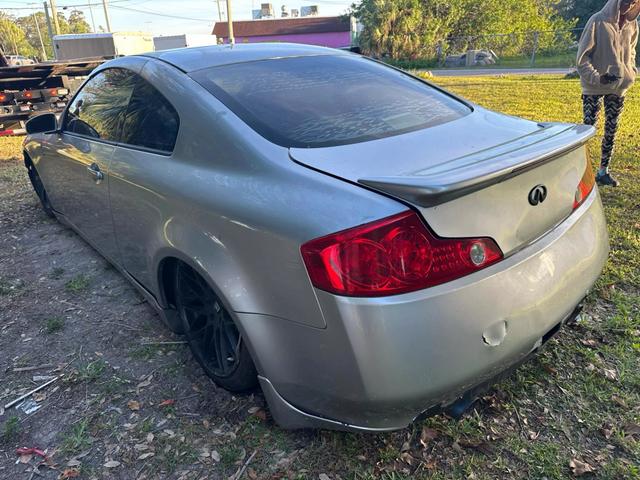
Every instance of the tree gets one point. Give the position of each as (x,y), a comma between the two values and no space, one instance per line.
(28,25)
(511,27)
(13,39)
(404,28)
(580,9)
(407,29)
(75,23)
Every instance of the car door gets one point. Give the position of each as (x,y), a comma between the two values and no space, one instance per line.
(141,165)
(85,146)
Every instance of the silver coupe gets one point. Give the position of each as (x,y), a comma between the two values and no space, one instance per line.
(365,246)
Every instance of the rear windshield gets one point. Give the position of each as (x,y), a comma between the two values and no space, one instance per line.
(320,101)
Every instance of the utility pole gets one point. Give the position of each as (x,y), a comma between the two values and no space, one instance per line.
(54,14)
(48,18)
(93,22)
(219,11)
(232,40)
(49,28)
(106,14)
(44,52)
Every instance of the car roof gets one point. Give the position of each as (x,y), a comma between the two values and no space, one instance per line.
(198,58)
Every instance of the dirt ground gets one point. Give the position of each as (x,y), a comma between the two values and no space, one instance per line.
(131,403)
(123,393)
(129,387)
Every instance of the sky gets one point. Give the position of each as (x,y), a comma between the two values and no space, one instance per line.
(162,17)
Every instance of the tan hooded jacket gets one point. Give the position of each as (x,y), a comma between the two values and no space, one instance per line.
(604,46)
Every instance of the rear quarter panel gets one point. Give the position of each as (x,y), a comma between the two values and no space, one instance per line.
(231,204)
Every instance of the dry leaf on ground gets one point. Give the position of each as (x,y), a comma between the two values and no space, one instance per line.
(69,473)
(579,468)
(631,430)
(427,435)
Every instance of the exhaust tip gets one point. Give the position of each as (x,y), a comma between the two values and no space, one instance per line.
(457,409)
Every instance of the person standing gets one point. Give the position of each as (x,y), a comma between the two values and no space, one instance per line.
(607,67)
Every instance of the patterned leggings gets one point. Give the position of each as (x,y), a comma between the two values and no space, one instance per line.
(613,106)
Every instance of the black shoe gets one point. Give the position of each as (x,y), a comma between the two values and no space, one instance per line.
(606,180)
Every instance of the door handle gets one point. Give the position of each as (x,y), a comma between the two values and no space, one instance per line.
(94,170)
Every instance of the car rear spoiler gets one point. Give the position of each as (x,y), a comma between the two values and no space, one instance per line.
(445,182)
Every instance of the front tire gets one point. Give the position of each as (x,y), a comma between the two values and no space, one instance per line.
(36,182)
(214,339)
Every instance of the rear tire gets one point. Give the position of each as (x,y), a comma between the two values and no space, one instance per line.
(213,336)
(40,190)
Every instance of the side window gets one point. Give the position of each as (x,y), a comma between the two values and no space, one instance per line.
(98,109)
(151,121)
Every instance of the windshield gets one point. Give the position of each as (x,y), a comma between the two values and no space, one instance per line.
(327,100)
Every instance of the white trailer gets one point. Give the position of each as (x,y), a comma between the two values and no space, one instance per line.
(167,42)
(91,45)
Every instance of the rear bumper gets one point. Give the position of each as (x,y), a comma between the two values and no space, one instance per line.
(382,362)
(289,416)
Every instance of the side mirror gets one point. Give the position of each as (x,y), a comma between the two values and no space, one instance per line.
(47,122)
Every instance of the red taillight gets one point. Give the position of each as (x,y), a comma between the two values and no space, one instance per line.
(394,255)
(585,186)
(2,97)
(27,95)
(53,92)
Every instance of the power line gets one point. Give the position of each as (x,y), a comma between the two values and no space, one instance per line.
(60,7)
(149,12)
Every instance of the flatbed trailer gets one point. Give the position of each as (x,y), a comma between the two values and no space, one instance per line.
(44,87)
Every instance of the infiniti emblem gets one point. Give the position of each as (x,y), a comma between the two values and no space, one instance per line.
(537,195)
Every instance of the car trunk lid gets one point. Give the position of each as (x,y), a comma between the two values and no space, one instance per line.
(472,177)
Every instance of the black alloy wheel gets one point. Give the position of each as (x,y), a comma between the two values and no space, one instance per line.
(213,336)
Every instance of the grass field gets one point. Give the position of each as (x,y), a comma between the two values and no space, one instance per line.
(541,61)
(572,411)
